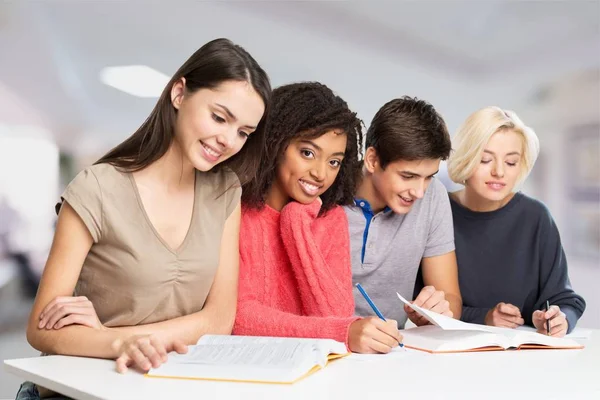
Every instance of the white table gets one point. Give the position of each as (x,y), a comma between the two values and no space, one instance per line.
(526,374)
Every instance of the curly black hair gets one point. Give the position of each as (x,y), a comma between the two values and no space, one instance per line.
(307,110)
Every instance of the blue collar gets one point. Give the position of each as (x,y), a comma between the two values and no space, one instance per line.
(366,207)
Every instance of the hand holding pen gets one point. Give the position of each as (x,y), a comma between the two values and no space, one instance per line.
(551,322)
(373,334)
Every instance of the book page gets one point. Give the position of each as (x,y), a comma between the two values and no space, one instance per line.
(578,333)
(503,337)
(325,346)
(247,358)
(437,340)
(283,361)
(444,322)
(524,338)
(511,337)
(518,337)
(281,355)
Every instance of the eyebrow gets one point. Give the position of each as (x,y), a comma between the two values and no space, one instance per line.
(313,144)
(512,153)
(407,172)
(233,117)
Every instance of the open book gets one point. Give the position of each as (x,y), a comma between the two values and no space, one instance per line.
(448,335)
(251,359)
(577,333)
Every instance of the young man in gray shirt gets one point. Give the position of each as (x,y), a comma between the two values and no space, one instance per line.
(402,218)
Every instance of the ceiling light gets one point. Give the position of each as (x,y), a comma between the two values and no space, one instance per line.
(137,80)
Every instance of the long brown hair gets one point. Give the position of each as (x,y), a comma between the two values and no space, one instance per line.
(214,63)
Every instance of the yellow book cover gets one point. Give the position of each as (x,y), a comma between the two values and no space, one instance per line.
(251,359)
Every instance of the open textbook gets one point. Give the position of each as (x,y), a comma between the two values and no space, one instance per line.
(448,335)
(251,359)
(577,333)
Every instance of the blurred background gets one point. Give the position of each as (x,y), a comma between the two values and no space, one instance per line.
(60,110)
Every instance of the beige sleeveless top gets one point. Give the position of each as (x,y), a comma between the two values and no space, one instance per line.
(130,274)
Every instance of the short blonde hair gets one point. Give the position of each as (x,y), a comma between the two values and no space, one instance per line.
(471,138)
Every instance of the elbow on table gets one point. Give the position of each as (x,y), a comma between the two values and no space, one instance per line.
(34,338)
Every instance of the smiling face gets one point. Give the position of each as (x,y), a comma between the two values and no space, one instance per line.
(498,171)
(213,124)
(400,183)
(307,169)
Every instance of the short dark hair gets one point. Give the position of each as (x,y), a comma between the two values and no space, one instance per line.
(408,129)
(307,110)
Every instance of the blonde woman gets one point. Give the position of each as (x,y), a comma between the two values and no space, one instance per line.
(511,261)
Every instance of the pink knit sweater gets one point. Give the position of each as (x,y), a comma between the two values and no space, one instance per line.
(295,273)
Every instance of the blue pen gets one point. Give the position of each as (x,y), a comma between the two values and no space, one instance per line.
(373,306)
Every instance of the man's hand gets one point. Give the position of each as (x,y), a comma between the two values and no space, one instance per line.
(428,299)
(504,315)
(556,318)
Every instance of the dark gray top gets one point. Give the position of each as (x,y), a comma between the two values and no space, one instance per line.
(512,255)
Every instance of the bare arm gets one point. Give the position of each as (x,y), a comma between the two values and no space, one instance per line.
(72,242)
(441,272)
(217,316)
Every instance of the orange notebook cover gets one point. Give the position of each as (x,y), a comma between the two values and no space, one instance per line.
(447,335)
(434,339)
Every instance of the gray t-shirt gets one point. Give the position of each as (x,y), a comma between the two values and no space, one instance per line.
(387,248)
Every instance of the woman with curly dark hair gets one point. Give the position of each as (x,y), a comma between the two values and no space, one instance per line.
(295,270)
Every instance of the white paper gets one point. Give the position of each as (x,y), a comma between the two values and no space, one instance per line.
(256,354)
(578,333)
(434,338)
(246,358)
(451,338)
(327,345)
(444,322)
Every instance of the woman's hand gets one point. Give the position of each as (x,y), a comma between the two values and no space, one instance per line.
(145,351)
(373,335)
(69,310)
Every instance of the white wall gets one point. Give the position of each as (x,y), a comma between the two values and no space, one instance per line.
(575,100)
(28,175)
